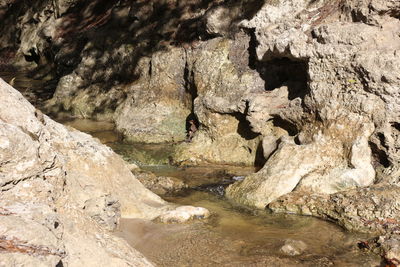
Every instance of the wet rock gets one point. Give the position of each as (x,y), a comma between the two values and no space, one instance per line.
(183,214)
(293,247)
(372,210)
(216,189)
(160,185)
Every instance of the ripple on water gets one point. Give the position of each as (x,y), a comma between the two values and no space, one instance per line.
(238,237)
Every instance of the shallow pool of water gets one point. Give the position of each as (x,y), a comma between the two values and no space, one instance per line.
(233,236)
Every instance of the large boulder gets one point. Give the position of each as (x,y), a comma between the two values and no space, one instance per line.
(61,193)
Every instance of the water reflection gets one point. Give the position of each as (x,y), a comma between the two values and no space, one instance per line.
(237,237)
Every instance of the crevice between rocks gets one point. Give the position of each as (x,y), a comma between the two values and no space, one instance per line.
(191,89)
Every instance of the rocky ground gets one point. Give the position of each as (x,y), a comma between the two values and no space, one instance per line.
(306,89)
(62,192)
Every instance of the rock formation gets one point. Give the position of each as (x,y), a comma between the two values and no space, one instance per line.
(306,89)
(62,192)
(344,115)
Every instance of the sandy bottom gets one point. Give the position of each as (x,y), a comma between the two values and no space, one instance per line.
(238,237)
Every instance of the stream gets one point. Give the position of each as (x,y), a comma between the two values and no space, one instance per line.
(233,235)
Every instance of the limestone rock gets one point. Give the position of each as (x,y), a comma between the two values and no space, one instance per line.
(157,105)
(374,209)
(221,79)
(340,116)
(61,191)
(305,169)
(293,247)
(183,214)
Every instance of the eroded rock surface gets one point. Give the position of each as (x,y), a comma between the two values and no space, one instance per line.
(62,191)
(340,124)
(221,80)
(307,89)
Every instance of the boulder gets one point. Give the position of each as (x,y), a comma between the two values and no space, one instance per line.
(220,73)
(62,191)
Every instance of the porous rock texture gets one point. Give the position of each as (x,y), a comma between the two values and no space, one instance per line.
(62,192)
(344,116)
(221,80)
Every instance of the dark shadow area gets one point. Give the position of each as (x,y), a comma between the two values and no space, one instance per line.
(379,156)
(7,55)
(286,125)
(286,72)
(396,126)
(379,151)
(142,27)
(146,26)
(192,117)
(35,57)
(278,69)
(191,95)
(260,159)
(244,128)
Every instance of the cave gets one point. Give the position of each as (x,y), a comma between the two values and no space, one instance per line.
(283,71)
(286,72)
(279,69)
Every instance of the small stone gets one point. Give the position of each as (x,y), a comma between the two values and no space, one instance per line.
(293,247)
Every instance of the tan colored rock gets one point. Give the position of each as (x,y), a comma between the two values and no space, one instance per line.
(373,209)
(222,78)
(320,167)
(343,119)
(158,104)
(183,214)
(64,189)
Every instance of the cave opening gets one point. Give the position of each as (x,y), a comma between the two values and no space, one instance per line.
(280,69)
(283,71)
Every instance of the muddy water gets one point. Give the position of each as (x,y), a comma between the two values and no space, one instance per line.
(233,236)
